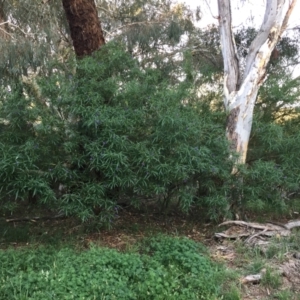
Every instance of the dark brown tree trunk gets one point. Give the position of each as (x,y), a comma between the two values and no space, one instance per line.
(4,26)
(85,27)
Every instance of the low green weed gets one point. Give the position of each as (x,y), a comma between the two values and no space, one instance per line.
(232,294)
(168,268)
(284,295)
(256,266)
(272,251)
(271,279)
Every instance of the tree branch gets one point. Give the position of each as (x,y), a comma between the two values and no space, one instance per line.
(287,16)
(262,36)
(229,50)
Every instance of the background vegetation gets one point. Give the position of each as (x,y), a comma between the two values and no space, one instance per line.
(138,124)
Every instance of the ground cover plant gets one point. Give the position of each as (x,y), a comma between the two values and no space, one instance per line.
(139,236)
(168,268)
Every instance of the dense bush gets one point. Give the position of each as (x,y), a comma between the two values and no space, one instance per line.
(115,132)
(173,269)
(271,179)
(112,132)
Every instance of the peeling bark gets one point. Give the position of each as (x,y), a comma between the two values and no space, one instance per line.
(241,85)
(85,27)
(232,121)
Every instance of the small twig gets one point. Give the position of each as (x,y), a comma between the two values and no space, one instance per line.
(255,235)
(16,26)
(244,224)
(215,17)
(133,24)
(6,32)
(33,219)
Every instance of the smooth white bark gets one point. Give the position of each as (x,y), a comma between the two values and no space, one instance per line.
(241,85)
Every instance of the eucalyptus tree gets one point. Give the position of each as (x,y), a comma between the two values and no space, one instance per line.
(243,77)
(152,31)
(32,34)
(36,33)
(85,28)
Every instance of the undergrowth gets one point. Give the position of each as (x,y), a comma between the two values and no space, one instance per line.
(165,268)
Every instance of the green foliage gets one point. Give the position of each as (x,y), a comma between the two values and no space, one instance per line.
(232,294)
(98,273)
(284,295)
(113,132)
(84,136)
(256,266)
(206,56)
(146,26)
(286,49)
(183,254)
(271,279)
(36,33)
(271,179)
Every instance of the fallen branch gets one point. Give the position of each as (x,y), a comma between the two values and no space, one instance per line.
(269,226)
(293,224)
(254,232)
(235,236)
(34,219)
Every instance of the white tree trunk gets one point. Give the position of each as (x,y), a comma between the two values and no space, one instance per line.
(241,84)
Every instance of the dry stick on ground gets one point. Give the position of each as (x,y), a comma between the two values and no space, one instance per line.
(34,219)
(251,279)
(254,231)
(268,229)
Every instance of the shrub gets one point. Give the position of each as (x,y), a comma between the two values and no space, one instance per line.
(112,132)
(271,180)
